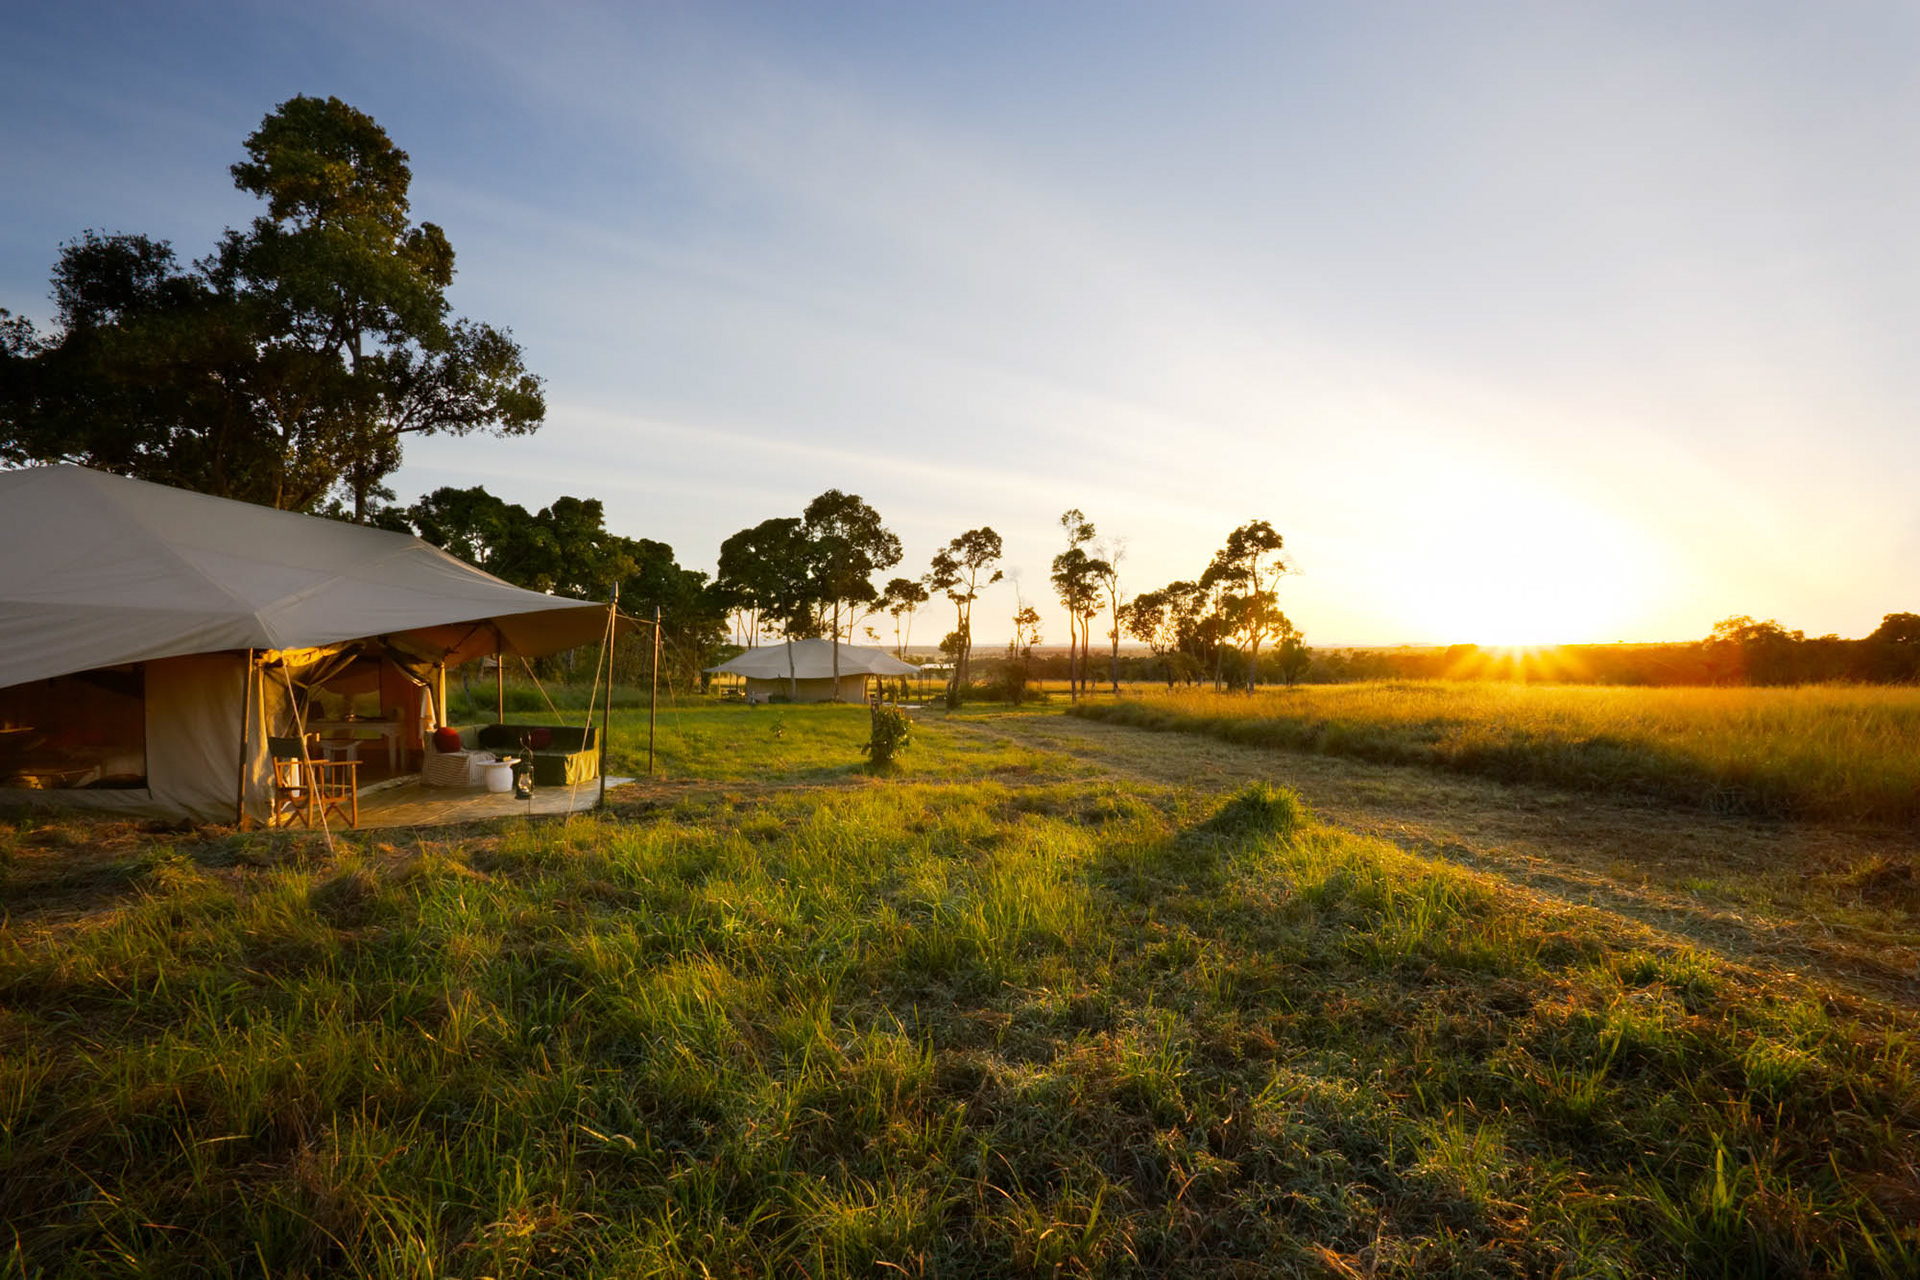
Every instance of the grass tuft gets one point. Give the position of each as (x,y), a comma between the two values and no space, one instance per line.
(1260,809)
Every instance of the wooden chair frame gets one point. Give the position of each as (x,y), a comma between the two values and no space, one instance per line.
(307,790)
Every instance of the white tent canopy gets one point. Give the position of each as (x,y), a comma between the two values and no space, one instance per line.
(806,673)
(813,660)
(103,570)
(151,639)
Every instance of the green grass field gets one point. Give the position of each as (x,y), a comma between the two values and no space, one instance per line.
(990,1015)
(1824,752)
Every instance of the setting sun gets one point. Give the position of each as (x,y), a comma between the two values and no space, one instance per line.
(1496,560)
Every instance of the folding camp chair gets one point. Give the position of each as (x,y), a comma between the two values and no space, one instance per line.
(308,790)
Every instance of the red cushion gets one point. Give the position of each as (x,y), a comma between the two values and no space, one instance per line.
(540,739)
(446,738)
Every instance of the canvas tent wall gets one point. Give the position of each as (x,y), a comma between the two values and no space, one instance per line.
(822,689)
(217,606)
(806,674)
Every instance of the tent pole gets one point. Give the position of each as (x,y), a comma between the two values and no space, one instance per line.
(606,709)
(653,693)
(246,728)
(499,690)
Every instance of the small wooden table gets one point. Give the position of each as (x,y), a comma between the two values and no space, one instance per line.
(388,729)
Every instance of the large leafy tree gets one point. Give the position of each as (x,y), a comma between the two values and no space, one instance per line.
(564,548)
(849,544)
(345,273)
(160,372)
(960,570)
(289,365)
(769,574)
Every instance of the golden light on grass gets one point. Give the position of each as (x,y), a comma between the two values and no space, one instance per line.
(1522,662)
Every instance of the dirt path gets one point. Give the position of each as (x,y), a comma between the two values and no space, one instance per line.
(1757,893)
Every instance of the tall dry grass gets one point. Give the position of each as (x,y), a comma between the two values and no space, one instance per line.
(1830,752)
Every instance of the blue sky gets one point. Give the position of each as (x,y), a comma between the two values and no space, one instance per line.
(1521,322)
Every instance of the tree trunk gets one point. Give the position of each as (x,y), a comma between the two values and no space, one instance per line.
(793,683)
(1073,658)
(836,651)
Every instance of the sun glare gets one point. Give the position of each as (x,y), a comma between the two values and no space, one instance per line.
(1516,568)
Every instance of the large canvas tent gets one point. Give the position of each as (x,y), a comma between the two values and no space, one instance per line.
(154,638)
(803,670)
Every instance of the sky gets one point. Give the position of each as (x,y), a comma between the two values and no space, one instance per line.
(1522,323)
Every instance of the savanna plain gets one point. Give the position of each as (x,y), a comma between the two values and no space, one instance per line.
(1304,983)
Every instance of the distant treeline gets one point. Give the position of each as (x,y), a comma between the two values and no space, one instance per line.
(1740,651)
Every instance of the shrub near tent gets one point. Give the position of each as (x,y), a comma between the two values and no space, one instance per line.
(892,734)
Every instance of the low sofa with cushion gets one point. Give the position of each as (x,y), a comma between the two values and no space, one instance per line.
(561,756)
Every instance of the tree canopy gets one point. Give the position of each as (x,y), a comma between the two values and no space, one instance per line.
(1247,570)
(1077,580)
(566,549)
(959,570)
(288,366)
(766,575)
(848,545)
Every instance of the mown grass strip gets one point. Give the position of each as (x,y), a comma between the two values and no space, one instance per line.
(1829,753)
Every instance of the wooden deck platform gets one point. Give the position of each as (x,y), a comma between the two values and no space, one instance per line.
(405,803)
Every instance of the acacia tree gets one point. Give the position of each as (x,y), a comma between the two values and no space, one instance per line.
(1291,646)
(1111,552)
(848,545)
(290,363)
(958,571)
(1247,571)
(1076,578)
(1026,634)
(1149,618)
(1196,626)
(903,598)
